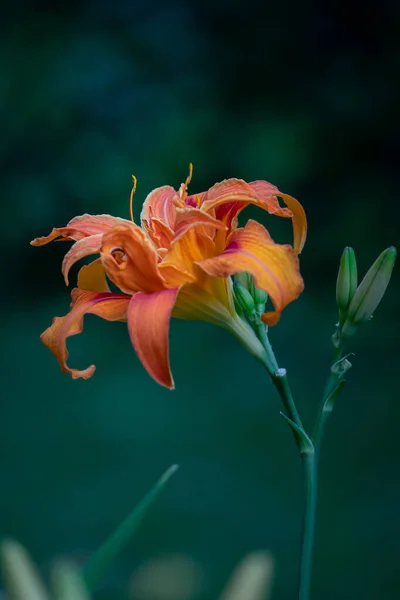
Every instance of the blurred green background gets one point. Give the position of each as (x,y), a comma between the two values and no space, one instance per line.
(300,94)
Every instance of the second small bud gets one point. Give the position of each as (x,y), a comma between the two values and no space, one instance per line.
(244,299)
(346,284)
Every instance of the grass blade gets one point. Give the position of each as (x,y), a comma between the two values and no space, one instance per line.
(103,558)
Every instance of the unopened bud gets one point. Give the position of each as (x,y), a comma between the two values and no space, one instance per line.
(260,300)
(245,279)
(346,284)
(370,291)
(244,299)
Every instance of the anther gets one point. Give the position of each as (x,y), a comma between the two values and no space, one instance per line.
(134,180)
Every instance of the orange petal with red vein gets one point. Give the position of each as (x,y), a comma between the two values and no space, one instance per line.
(231,196)
(159,204)
(82,248)
(109,306)
(130,260)
(148,323)
(92,277)
(189,218)
(80,227)
(275,267)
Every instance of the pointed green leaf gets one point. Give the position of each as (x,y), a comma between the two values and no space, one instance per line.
(104,557)
(306,445)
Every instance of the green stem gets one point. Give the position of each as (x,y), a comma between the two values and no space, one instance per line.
(332,382)
(310,471)
(281,383)
(308,457)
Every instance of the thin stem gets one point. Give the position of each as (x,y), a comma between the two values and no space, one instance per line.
(278,376)
(332,382)
(308,457)
(281,382)
(308,535)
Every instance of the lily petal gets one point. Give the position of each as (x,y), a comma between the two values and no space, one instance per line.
(299,221)
(189,218)
(80,227)
(275,267)
(109,306)
(84,247)
(92,277)
(159,204)
(130,260)
(231,196)
(148,323)
(159,232)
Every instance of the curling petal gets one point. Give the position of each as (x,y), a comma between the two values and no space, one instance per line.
(228,198)
(109,306)
(130,260)
(84,247)
(148,323)
(275,267)
(81,227)
(299,221)
(159,205)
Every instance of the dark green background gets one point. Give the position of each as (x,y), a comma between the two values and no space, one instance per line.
(300,94)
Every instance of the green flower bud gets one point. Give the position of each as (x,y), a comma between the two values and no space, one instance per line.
(245,279)
(346,284)
(244,299)
(370,291)
(260,299)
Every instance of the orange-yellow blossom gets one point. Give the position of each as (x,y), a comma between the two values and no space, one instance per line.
(177,263)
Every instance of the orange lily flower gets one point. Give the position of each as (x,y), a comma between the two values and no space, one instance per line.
(177,263)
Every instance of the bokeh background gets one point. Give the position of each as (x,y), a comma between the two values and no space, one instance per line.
(301,94)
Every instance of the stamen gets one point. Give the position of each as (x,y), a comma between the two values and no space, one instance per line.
(189,177)
(131,197)
(183,189)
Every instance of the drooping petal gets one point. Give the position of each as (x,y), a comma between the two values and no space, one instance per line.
(264,190)
(159,204)
(92,277)
(228,198)
(275,267)
(80,227)
(299,221)
(109,306)
(84,247)
(130,260)
(148,323)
